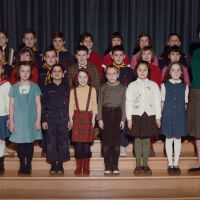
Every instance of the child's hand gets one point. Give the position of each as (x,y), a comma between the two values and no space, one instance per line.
(185,106)
(69,126)
(158,123)
(12,126)
(101,124)
(130,124)
(122,125)
(93,122)
(71,123)
(45,125)
(37,125)
(8,121)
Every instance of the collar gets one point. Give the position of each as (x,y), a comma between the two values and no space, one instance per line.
(113,84)
(142,81)
(119,66)
(174,81)
(82,66)
(46,66)
(63,49)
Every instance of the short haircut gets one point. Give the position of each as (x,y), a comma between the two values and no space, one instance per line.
(115,35)
(174,48)
(174,34)
(57,65)
(148,48)
(81,48)
(112,67)
(28,31)
(4,32)
(58,35)
(22,63)
(76,83)
(118,48)
(143,35)
(137,66)
(85,35)
(49,49)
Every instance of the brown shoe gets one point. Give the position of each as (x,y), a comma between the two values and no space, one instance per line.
(137,170)
(177,170)
(147,170)
(170,170)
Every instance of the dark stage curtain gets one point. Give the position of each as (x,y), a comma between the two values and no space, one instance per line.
(101,17)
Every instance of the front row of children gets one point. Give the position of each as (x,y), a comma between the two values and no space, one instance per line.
(140,104)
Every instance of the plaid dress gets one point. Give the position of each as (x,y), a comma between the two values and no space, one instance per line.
(82,122)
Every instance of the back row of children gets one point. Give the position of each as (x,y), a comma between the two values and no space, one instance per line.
(82,106)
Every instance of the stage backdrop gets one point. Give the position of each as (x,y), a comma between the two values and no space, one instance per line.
(158,18)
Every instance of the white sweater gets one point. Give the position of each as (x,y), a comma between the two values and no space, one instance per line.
(4,98)
(143,96)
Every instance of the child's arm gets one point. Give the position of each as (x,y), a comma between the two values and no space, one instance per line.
(122,123)
(71,109)
(157,100)
(186,96)
(99,116)
(38,108)
(11,113)
(129,106)
(94,105)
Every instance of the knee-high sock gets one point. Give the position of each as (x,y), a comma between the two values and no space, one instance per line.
(177,150)
(145,150)
(2,147)
(168,148)
(138,151)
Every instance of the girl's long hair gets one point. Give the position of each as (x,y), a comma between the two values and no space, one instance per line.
(76,83)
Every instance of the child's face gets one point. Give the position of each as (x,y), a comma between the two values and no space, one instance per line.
(82,57)
(144,42)
(3,40)
(24,72)
(112,75)
(25,57)
(174,40)
(1,55)
(175,71)
(82,78)
(174,56)
(87,42)
(50,58)
(57,73)
(58,43)
(147,56)
(116,41)
(118,57)
(142,71)
(29,40)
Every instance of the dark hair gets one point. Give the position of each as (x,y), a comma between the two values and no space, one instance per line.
(4,32)
(85,35)
(174,48)
(167,76)
(49,49)
(58,35)
(23,51)
(57,65)
(118,48)
(198,30)
(137,66)
(3,76)
(143,35)
(26,63)
(76,83)
(115,35)
(174,34)
(81,48)
(112,67)
(148,48)
(1,49)
(29,31)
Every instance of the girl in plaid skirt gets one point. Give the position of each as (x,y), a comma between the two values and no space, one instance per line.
(82,112)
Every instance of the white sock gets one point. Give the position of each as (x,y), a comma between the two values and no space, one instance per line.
(2,147)
(177,150)
(168,148)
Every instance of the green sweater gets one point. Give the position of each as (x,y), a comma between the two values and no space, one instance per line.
(112,96)
(195,66)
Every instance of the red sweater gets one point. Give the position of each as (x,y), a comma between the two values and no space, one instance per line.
(107,60)
(95,59)
(34,77)
(156,74)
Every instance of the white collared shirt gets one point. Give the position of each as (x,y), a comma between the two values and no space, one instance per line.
(163,91)
(143,96)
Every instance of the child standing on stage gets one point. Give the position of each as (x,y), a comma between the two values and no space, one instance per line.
(111,116)
(82,113)
(174,99)
(25,116)
(143,112)
(4,111)
(55,117)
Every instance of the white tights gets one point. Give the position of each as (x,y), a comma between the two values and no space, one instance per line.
(177,150)
(2,147)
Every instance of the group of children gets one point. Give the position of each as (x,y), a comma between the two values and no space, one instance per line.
(54,97)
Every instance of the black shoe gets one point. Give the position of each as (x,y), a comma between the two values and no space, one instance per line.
(177,170)
(21,171)
(137,170)
(53,169)
(194,169)
(60,170)
(171,170)
(147,170)
(151,152)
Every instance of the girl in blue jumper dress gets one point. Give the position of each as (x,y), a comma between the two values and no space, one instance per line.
(174,99)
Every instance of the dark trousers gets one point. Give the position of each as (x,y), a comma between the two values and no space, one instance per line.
(111,136)
(57,139)
(82,150)
(25,154)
